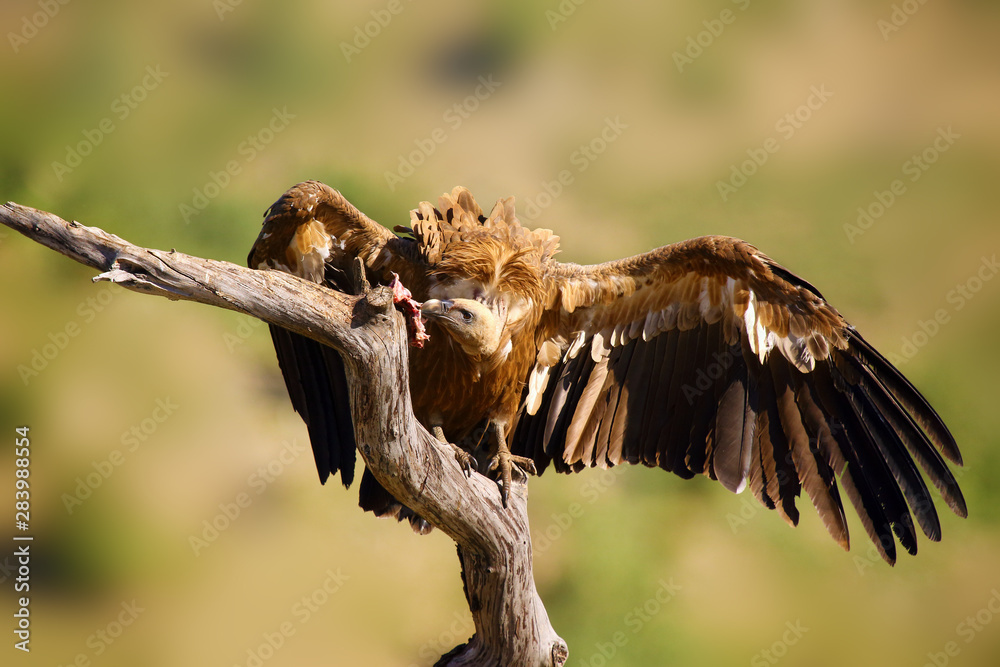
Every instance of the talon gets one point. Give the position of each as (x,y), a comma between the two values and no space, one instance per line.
(507,463)
(526,465)
(466,461)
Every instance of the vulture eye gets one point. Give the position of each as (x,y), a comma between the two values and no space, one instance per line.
(466,316)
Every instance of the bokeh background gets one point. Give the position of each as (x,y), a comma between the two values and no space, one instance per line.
(145,105)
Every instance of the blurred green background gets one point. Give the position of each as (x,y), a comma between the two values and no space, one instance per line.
(144,106)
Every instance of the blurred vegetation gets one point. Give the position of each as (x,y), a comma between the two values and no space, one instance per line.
(226,66)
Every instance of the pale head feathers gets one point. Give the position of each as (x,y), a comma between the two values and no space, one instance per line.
(471,324)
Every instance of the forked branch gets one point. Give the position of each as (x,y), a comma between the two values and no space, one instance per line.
(512,627)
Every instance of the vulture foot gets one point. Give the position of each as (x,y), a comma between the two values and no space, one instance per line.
(466,461)
(507,463)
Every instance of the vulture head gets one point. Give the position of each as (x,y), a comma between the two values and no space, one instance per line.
(470,323)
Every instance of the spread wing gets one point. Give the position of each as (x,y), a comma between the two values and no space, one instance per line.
(313,232)
(707,357)
(299,237)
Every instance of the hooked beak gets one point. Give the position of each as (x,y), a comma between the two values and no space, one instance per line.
(433,309)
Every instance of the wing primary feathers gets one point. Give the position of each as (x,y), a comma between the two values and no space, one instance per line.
(628,418)
(531,434)
(728,435)
(704,401)
(299,389)
(313,385)
(526,438)
(573,383)
(683,378)
(587,413)
(781,484)
(734,430)
(886,473)
(620,360)
(864,475)
(599,424)
(533,445)
(372,497)
(759,474)
(915,440)
(657,450)
(342,413)
(907,396)
(811,458)
(651,410)
(638,381)
(893,452)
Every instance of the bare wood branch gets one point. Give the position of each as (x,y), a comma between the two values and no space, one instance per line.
(512,627)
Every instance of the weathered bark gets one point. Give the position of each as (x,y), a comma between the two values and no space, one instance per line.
(512,627)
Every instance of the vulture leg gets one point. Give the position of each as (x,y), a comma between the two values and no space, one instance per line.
(465,460)
(505,461)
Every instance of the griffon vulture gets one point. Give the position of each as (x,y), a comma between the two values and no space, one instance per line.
(700,357)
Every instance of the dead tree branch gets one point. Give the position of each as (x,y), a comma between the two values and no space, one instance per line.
(512,627)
